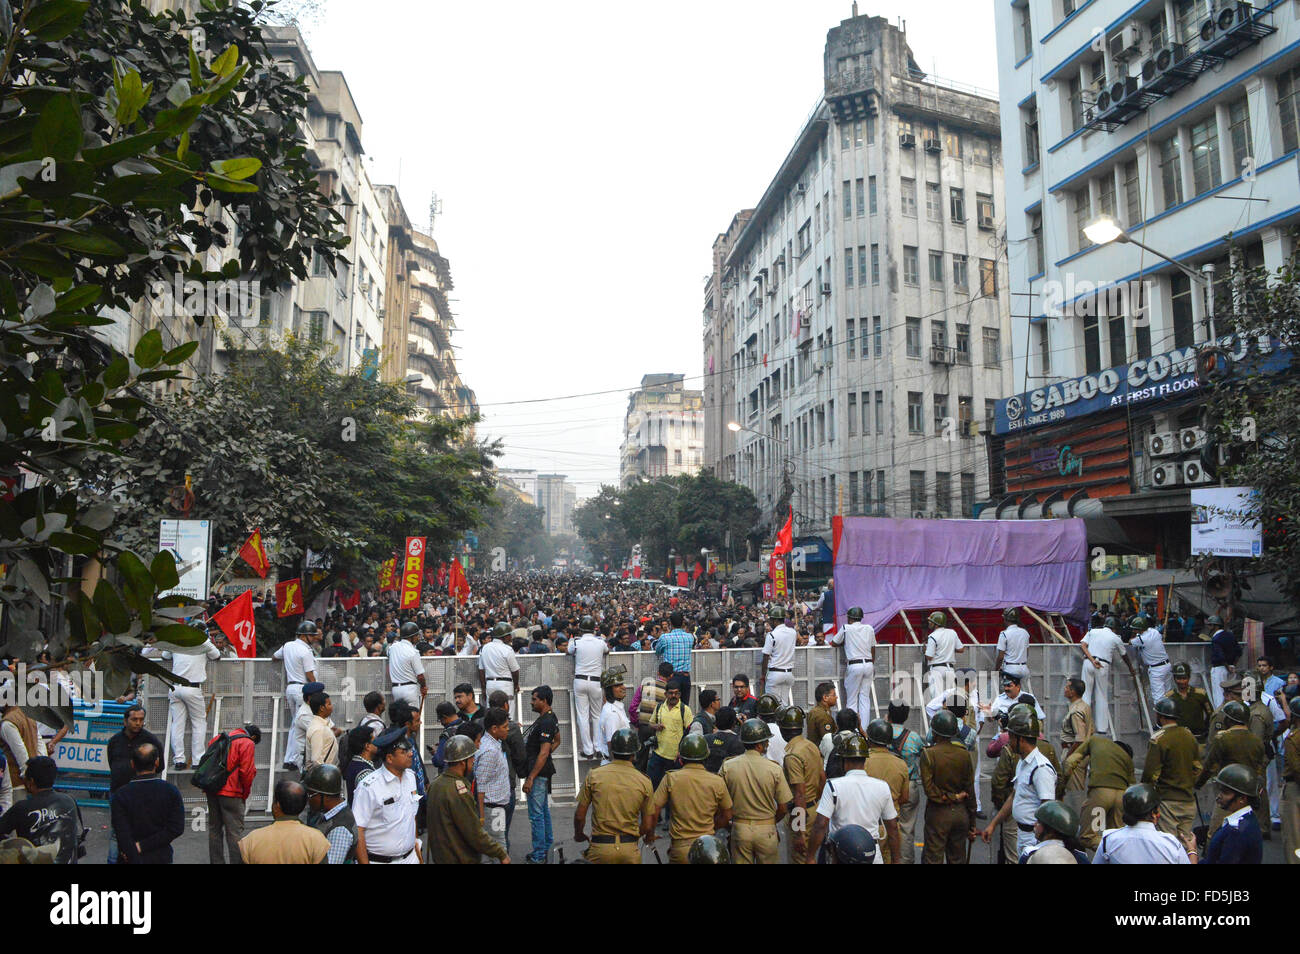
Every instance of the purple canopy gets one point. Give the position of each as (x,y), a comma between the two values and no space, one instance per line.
(886,565)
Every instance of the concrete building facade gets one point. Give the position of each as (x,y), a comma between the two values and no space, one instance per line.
(557,498)
(663,430)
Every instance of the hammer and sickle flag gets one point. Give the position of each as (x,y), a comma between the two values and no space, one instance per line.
(288,598)
(236,621)
(254,553)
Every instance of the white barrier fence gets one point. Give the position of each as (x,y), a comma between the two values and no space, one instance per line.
(252,690)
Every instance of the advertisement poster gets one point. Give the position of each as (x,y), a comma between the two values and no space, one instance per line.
(1221,524)
(190,544)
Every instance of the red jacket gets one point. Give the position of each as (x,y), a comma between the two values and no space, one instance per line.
(242,766)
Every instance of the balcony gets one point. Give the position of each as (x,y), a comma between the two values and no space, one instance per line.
(852,94)
(942,355)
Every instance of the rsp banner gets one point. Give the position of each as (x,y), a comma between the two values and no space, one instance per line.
(412,572)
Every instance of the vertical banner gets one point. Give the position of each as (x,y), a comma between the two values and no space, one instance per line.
(767,589)
(777,572)
(388,574)
(412,572)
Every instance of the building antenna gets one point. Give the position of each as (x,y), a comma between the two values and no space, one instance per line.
(435,210)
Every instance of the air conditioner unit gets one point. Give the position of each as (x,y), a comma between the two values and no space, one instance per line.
(826,288)
(907,141)
(1194,472)
(1162,444)
(1103,102)
(1167,475)
(933,145)
(1191,438)
(805,321)
(1123,89)
(1126,43)
(986,222)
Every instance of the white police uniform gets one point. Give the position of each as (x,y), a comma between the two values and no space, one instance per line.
(298,661)
(499,663)
(1035,783)
(613,716)
(404,671)
(1013,643)
(1140,844)
(857,799)
(859,642)
(1004,702)
(941,652)
(186,702)
(778,646)
(776,746)
(588,652)
(1150,648)
(1102,644)
(386,806)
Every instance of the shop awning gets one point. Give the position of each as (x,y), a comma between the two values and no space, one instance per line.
(1144,580)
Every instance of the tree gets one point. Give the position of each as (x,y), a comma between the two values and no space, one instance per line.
(711,512)
(598,524)
(518,528)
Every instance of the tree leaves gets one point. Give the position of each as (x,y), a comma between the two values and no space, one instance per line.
(58,130)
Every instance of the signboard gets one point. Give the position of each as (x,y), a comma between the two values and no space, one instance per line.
(1160,377)
(190,544)
(777,569)
(1221,523)
(412,572)
(767,589)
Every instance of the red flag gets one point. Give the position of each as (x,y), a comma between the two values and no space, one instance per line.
(681,577)
(457,585)
(236,621)
(288,598)
(350,602)
(254,554)
(636,572)
(442,575)
(699,571)
(785,539)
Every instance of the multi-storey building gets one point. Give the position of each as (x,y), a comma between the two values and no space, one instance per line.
(866,298)
(719,328)
(557,498)
(663,430)
(1175,123)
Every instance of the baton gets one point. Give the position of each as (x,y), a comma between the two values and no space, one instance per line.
(658,858)
(561,851)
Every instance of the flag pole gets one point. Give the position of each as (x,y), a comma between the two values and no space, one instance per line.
(222,574)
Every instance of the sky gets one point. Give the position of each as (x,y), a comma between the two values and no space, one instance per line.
(587,155)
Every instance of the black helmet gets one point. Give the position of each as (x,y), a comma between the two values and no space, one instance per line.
(1167,708)
(1214,621)
(754,731)
(1059,817)
(587,624)
(1238,778)
(1113,624)
(708,850)
(1023,721)
(1011,615)
(854,614)
(879,732)
(501,630)
(693,748)
(776,611)
(323,779)
(790,718)
(851,845)
(851,745)
(624,742)
(1139,801)
(768,705)
(408,630)
(1235,712)
(306,628)
(944,724)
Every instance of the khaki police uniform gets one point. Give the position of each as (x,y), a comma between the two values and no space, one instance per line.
(892,770)
(1194,711)
(946,772)
(1291,798)
(1076,730)
(1172,764)
(620,798)
(1235,744)
(694,796)
(820,723)
(1109,770)
(456,834)
(803,766)
(757,786)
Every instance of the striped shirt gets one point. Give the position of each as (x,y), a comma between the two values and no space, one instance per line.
(491,773)
(675,647)
(340,838)
(911,752)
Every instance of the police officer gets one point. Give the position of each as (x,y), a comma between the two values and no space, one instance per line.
(622,804)
(851,845)
(1100,647)
(1234,745)
(613,714)
(805,774)
(588,652)
(1055,828)
(1109,770)
(405,670)
(498,667)
(1013,647)
(777,675)
(1139,842)
(698,801)
(1035,778)
(1291,787)
(1192,706)
(820,721)
(949,782)
(1224,653)
(884,765)
(456,833)
(855,799)
(328,812)
(769,707)
(299,669)
(1172,763)
(859,642)
(1237,840)
(708,850)
(1150,648)
(941,646)
(1075,731)
(387,803)
(760,798)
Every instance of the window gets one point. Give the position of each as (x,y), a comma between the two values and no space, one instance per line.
(957,205)
(990,409)
(850,343)
(936,268)
(988,277)
(1180,291)
(871,130)
(1044,348)
(914,337)
(968,495)
(878,335)
(1074,93)
(318,266)
(963,344)
(862,264)
(907,196)
(1082,216)
(866,413)
(1091,345)
(1029,122)
(952,143)
(880,483)
(677,457)
(862,198)
(1158,31)
(1067,8)
(960,279)
(1024,32)
(992,347)
(871,194)
(915,412)
(981,150)
(940,412)
(943,492)
(933,202)
(817,221)
(875,264)
(965,414)
(853,415)
(1171,172)
(846,136)
(939,333)
(1189,15)
(1036,233)
(916,484)
(1132,193)
(911,265)
(984,211)
(1118,341)
(848,268)
(1239,132)
(1288,108)
(1106,194)
(853,489)
(1206,173)
(805,241)
(847,188)
(857,133)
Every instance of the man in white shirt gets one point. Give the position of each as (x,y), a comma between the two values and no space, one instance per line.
(1013,647)
(1100,646)
(186,702)
(855,799)
(1012,694)
(386,805)
(613,714)
(299,669)
(859,642)
(1149,645)
(498,667)
(588,652)
(405,670)
(1139,842)
(941,648)
(777,676)
(1034,784)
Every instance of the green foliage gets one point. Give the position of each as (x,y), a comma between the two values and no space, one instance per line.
(518,528)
